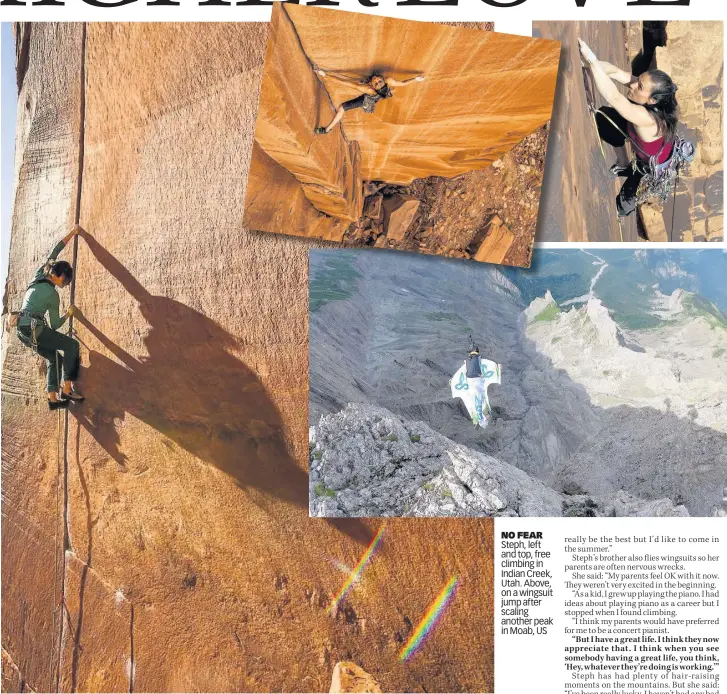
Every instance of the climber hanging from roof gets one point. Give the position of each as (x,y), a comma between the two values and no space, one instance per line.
(374,88)
(648,115)
(471,381)
(42,298)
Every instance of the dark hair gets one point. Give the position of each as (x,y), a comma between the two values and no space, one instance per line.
(665,108)
(376,74)
(60,268)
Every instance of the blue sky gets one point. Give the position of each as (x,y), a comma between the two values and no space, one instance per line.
(9,100)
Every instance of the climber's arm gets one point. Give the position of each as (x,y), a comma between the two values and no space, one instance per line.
(43,270)
(77,229)
(617,74)
(403,83)
(361,86)
(633,113)
(54,319)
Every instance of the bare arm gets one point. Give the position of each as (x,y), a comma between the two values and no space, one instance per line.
(361,86)
(617,74)
(403,83)
(633,113)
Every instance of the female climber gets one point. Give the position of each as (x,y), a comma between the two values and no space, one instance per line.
(374,89)
(650,112)
(43,337)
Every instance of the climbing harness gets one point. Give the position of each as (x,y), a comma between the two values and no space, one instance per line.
(37,325)
(658,179)
(370,102)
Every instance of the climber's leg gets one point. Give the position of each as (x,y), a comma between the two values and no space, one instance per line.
(50,355)
(71,366)
(349,105)
(53,340)
(336,120)
(626,199)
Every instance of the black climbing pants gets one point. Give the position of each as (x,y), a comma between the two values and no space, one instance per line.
(626,198)
(49,344)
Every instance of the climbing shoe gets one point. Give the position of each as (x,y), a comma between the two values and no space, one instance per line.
(320,131)
(73,396)
(57,404)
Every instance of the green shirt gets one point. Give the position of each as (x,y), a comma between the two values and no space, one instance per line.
(42,297)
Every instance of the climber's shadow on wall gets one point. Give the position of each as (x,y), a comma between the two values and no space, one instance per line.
(192,391)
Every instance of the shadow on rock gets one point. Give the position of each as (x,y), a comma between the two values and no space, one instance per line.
(653,36)
(192,390)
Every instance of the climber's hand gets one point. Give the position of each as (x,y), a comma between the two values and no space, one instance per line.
(588,55)
(75,231)
(420,78)
(72,311)
(322,73)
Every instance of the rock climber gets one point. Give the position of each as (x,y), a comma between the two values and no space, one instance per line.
(649,112)
(42,336)
(374,89)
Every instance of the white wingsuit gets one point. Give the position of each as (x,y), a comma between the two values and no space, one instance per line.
(473,391)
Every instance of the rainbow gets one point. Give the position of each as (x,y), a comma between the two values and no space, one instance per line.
(356,572)
(429,620)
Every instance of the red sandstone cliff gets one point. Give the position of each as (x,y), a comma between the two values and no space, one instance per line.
(192,563)
(483,93)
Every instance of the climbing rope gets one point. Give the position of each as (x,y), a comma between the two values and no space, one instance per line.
(590,89)
(77,219)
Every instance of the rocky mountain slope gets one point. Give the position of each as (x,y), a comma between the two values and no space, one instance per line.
(366,461)
(580,382)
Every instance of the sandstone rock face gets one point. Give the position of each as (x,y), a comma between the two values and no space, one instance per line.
(349,677)
(497,242)
(694,58)
(651,216)
(12,678)
(292,101)
(276,197)
(462,118)
(465,115)
(399,213)
(189,536)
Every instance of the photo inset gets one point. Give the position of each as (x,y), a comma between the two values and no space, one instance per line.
(593,384)
(398,134)
(636,149)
